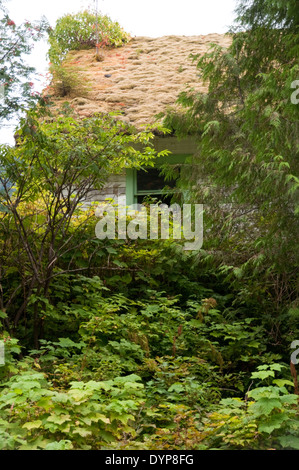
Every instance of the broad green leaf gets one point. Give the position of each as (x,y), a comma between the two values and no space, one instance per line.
(45,403)
(33,424)
(274,422)
(289,441)
(264,406)
(283,382)
(60,419)
(68,343)
(263,374)
(82,432)
(79,395)
(176,387)
(60,445)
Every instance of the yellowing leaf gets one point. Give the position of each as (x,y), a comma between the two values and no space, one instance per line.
(59,419)
(82,432)
(33,424)
(101,417)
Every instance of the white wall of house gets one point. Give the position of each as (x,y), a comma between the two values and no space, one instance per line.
(115,189)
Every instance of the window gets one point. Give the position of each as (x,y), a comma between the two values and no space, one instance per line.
(150,182)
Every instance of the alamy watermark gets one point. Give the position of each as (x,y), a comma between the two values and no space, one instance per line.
(152,222)
(295,354)
(295,94)
(2,355)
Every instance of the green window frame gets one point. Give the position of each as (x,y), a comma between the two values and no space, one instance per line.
(133,192)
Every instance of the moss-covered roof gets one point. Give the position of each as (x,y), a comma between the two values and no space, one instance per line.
(143,78)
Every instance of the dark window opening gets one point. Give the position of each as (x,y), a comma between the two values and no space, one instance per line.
(152,180)
(153,186)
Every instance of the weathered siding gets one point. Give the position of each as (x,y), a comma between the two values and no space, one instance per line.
(115,188)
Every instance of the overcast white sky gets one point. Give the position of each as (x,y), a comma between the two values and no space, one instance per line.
(138,17)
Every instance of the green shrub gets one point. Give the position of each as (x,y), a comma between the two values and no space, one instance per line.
(78,31)
(66,81)
(87,415)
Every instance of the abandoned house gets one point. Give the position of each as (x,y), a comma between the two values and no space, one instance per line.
(141,80)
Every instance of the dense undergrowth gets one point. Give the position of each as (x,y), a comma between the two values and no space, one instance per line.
(139,344)
(152,350)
